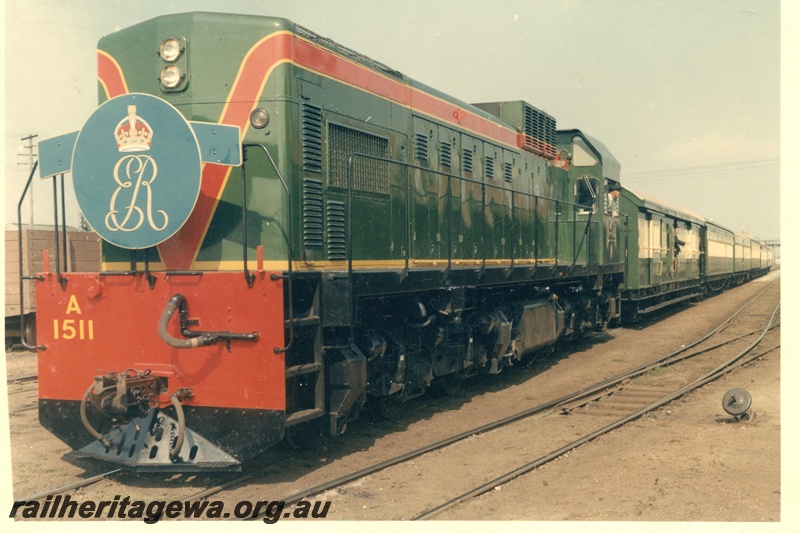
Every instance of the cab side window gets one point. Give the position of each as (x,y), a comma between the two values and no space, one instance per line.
(587,189)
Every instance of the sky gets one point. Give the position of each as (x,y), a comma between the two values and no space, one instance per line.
(685,94)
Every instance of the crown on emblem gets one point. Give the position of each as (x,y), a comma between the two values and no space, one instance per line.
(133,133)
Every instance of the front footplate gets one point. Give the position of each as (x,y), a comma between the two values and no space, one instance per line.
(144,445)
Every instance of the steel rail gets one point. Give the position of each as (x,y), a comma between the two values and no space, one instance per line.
(235,482)
(605,384)
(24,409)
(22,379)
(18,391)
(710,376)
(74,485)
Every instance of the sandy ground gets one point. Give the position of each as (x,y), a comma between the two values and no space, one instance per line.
(686,462)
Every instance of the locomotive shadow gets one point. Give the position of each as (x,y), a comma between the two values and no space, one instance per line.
(657,316)
(284,465)
(370,429)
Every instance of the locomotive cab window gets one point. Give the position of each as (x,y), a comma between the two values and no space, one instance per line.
(586,191)
(582,154)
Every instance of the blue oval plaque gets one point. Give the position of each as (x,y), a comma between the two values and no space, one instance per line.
(136,170)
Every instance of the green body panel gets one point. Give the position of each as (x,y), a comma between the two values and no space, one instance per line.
(649,233)
(594,236)
(216,44)
(720,250)
(399,211)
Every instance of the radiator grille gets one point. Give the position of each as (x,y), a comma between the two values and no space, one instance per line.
(466,160)
(368,175)
(540,133)
(488,167)
(444,154)
(508,172)
(421,146)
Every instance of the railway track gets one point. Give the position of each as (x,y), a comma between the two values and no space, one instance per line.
(738,360)
(565,403)
(22,379)
(72,486)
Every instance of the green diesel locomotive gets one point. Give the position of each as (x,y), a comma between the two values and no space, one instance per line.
(363,238)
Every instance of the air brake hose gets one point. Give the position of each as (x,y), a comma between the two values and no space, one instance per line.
(172,306)
(85,419)
(176,447)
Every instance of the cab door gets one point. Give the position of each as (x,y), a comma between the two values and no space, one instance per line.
(656,259)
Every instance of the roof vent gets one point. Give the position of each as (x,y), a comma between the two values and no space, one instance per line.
(537,129)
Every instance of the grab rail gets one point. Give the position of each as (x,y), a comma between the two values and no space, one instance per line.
(450,177)
(22,277)
(289,240)
(410,166)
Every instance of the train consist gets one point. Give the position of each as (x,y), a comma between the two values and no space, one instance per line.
(674,255)
(292,230)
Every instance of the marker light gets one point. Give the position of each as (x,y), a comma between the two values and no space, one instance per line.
(259,118)
(171,76)
(170,50)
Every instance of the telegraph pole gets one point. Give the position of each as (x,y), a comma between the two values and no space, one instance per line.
(31,156)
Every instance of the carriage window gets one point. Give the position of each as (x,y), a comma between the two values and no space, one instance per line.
(582,155)
(586,190)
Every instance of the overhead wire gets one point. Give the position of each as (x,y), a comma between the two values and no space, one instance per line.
(707,172)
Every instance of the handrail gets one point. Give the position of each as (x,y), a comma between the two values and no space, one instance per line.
(22,277)
(249,278)
(289,243)
(64,224)
(583,238)
(450,176)
(61,279)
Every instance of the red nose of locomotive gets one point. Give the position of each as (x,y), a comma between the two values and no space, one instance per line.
(167,367)
(128,376)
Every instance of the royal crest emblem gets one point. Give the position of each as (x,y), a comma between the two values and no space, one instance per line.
(142,198)
(131,205)
(132,133)
(135,192)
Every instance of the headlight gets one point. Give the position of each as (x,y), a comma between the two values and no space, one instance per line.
(259,118)
(170,50)
(171,77)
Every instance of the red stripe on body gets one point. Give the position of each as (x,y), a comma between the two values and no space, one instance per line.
(110,74)
(328,64)
(451,113)
(180,251)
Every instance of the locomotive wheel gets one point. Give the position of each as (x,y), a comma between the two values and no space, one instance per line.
(30,331)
